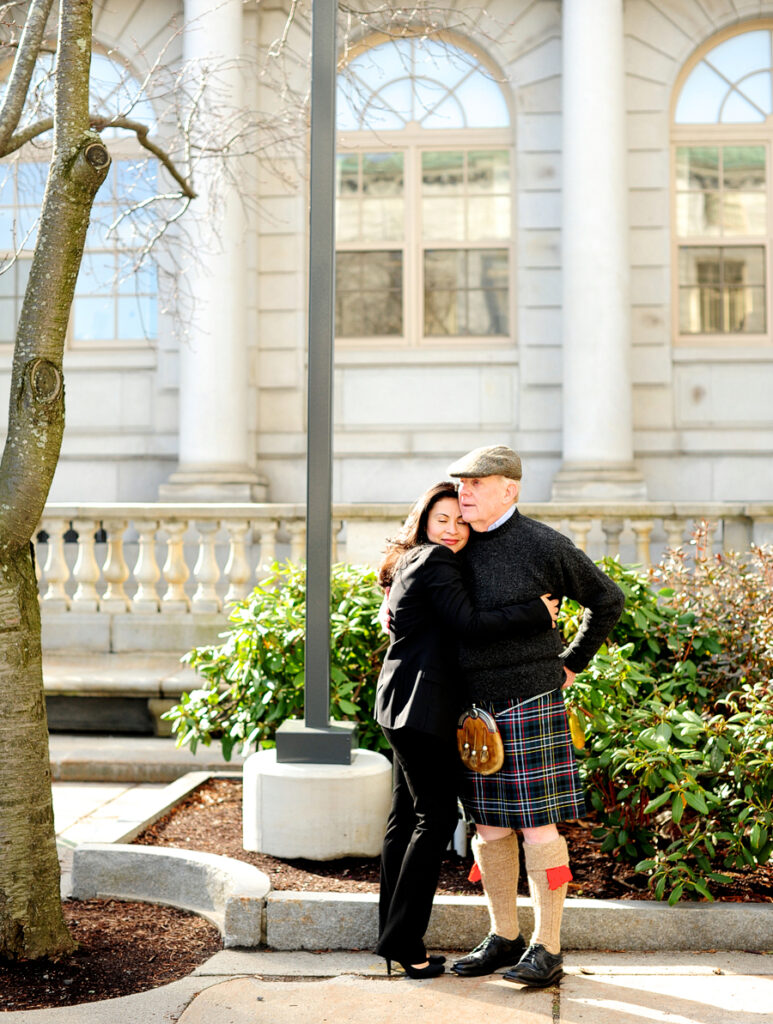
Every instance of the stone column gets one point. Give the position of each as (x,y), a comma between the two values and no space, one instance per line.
(213,416)
(597,401)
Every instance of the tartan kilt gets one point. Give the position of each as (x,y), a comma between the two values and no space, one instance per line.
(539,783)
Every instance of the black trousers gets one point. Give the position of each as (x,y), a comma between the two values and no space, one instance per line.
(420,826)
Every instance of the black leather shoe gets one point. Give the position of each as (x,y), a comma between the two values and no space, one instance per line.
(537,968)
(492,953)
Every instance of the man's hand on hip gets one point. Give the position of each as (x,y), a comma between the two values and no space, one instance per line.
(570,677)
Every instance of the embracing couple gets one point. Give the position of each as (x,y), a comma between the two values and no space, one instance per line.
(472,593)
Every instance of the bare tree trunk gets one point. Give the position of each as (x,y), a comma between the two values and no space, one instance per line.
(31,923)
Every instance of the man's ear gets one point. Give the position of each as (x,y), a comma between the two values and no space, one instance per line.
(512,491)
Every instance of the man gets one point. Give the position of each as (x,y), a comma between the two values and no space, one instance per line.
(510,558)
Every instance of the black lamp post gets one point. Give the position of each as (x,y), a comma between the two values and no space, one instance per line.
(317,740)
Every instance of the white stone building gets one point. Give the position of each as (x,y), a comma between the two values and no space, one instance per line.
(554,231)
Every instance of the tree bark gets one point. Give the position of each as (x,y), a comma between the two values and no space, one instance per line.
(31,923)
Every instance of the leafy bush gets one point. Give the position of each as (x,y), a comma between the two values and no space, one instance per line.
(253,680)
(679,756)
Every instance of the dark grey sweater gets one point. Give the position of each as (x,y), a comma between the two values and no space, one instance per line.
(515,563)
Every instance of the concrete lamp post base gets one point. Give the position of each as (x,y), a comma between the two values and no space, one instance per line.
(317,811)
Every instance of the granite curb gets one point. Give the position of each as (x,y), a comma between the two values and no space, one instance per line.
(314,920)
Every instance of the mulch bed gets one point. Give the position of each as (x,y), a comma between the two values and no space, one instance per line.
(210,819)
(123,948)
(131,947)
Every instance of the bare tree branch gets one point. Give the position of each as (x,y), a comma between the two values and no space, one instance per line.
(23,68)
(141,131)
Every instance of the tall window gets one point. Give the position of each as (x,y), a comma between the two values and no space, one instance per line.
(113,302)
(423,219)
(722,136)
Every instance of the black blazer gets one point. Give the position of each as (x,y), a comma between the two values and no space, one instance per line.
(429,612)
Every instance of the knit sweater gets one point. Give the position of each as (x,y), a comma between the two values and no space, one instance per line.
(517,562)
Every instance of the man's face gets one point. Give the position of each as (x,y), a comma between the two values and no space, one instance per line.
(483,499)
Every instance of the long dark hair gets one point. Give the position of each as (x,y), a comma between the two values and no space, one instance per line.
(413,532)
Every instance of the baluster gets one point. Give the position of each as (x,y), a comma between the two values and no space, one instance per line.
(580,529)
(86,570)
(146,571)
(115,569)
(642,528)
(674,531)
(237,569)
(554,524)
(336,527)
(612,528)
(56,569)
(176,572)
(206,571)
(705,547)
(297,531)
(267,532)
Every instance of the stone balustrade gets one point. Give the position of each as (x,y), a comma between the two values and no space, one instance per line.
(127,588)
(175,559)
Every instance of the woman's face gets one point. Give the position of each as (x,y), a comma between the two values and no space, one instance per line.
(446,526)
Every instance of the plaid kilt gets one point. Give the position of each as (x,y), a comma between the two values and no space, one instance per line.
(539,783)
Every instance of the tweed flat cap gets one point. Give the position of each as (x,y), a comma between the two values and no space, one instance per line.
(496,460)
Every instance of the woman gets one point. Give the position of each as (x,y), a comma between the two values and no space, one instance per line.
(418,701)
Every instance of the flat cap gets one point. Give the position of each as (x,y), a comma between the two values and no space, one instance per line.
(496,460)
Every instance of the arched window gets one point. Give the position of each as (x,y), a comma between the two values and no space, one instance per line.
(722,133)
(423,219)
(113,302)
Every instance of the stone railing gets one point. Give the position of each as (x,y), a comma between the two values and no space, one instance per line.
(168,563)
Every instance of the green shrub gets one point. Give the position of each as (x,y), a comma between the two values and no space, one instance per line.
(253,680)
(679,756)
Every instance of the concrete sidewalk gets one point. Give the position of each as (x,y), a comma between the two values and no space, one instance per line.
(237,986)
(240,987)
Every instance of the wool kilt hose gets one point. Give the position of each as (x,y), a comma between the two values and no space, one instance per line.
(539,783)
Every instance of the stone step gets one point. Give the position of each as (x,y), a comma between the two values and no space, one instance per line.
(92,758)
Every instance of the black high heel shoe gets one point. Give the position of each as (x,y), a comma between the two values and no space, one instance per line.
(432,970)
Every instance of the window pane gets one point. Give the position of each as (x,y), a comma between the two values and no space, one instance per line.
(27,226)
(382,314)
(441,313)
(487,312)
(382,220)
(382,174)
(443,219)
(347,220)
(136,317)
(701,96)
(93,320)
(442,173)
(744,213)
(444,269)
(697,167)
(722,290)
(7,319)
(738,110)
(697,213)
(699,266)
(347,175)
(97,274)
(369,294)
(349,315)
(488,217)
(6,229)
(744,310)
(31,182)
(465,292)
(488,171)
(141,281)
(487,268)
(743,265)
(699,310)
(743,167)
